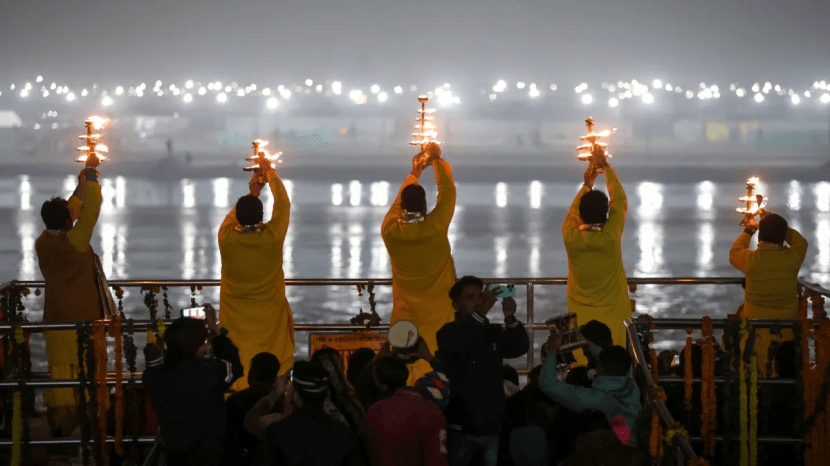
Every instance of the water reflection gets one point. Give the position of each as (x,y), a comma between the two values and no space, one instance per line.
(221,191)
(651,199)
(380,193)
(113,249)
(535,194)
(794,191)
(706,241)
(69,184)
(25,193)
(380,258)
(500,246)
(27,233)
(501,194)
(355,193)
(188,229)
(336,194)
(822,241)
(534,258)
(705,196)
(188,194)
(355,250)
(336,242)
(650,240)
(822,192)
(107,196)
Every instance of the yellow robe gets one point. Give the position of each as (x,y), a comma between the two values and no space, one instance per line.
(71,296)
(771,288)
(252,303)
(597,288)
(422,266)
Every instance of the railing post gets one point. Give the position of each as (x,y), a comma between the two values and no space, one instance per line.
(530,326)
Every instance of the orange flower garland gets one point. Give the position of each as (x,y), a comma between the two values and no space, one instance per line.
(655,444)
(708,397)
(688,375)
(115,332)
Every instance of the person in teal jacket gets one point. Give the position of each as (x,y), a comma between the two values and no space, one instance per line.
(613,392)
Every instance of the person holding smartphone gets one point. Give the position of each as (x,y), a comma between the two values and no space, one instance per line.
(252,303)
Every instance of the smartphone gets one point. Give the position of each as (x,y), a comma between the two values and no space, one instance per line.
(507,291)
(197,312)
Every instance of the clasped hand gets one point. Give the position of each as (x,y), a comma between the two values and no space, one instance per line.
(423,159)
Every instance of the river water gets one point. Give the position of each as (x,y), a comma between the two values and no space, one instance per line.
(167,230)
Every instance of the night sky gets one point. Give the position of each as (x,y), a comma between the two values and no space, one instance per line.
(412,41)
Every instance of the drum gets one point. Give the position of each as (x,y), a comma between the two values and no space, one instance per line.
(403,334)
(568,329)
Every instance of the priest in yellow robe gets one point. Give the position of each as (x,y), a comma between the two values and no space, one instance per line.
(419,250)
(592,231)
(252,303)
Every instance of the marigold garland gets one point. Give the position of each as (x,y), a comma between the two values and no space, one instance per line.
(708,397)
(115,332)
(688,375)
(655,445)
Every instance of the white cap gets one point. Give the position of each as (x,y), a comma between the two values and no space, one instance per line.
(403,334)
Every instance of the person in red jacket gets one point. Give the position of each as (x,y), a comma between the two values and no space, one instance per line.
(405,429)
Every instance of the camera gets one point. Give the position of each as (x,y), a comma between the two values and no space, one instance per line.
(507,291)
(197,312)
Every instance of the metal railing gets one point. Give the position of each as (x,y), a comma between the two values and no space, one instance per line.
(531,325)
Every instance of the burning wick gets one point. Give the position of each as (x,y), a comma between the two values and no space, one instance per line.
(585,151)
(259,153)
(426,131)
(754,202)
(93,147)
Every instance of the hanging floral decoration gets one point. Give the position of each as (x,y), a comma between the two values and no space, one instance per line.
(708,397)
(115,332)
(688,374)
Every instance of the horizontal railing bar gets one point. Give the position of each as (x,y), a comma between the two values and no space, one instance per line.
(668,380)
(681,323)
(146,324)
(59,383)
(77,441)
(772,440)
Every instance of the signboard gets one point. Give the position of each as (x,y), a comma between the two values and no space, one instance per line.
(346,343)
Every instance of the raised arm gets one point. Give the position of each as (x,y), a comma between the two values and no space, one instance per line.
(445,204)
(617,202)
(81,234)
(798,245)
(281,213)
(739,253)
(569,396)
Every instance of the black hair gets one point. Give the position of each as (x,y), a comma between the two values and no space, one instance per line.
(183,338)
(414,198)
(310,383)
(249,210)
(391,372)
(772,229)
(463,282)
(357,361)
(55,213)
(597,333)
(593,207)
(615,361)
(264,369)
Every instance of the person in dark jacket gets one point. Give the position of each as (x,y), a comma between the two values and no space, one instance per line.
(241,445)
(471,353)
(307,436)
(187,392)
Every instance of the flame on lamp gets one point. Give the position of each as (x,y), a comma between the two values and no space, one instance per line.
(425,130)
(754,202)
(592,142)
(258,146)
(93,146)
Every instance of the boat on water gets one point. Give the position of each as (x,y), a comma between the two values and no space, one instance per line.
(742,433)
